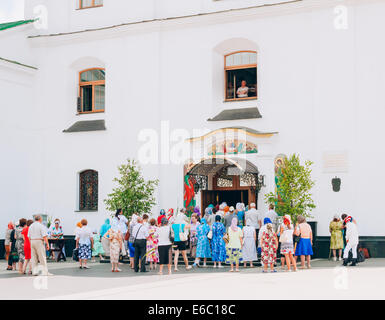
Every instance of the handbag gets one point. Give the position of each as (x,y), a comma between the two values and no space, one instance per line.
(171,235)
(182,235)
(75,254)
(226,238)
(137,234)
(210,234)
(15,256)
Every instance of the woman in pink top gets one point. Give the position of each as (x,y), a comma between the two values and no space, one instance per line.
(304,246)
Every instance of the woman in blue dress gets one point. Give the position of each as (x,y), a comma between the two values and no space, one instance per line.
(240,214)
(218,245)
(203,245)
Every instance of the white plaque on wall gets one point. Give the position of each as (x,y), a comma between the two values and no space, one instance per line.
(335,161)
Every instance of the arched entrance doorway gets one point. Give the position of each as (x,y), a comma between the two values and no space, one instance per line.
(218,179)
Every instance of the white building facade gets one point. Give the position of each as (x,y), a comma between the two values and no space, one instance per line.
(160,67)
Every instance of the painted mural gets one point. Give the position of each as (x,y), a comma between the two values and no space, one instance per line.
(232,146)
(278,169)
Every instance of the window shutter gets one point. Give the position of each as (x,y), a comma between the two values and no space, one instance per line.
(79,106)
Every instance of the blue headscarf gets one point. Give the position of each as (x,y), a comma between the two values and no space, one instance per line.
(105,227)
(266,221)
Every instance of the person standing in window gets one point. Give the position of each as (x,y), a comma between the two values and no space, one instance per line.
(243,90)
(85,243)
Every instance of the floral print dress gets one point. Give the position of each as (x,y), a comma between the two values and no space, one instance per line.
(218,246)
(203,246)
(152,245)
(269,247)
(115,238)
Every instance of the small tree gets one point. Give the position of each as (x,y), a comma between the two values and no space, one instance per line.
(294,183)
(133,193)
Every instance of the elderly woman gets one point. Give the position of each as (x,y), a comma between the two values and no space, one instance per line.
(20,243)
(85,243)
(249,250)
(56,232)
(164,245)
(193,235)
(304,247)
(240,207)
(203,245)
(103,231)
(7,241)
(287,244)
(152,245)
(336,237)
(234,246)
(114,236)
(218,245)
(269,243)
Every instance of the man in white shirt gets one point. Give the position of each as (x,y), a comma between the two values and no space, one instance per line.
(255,218)
(140,232)
(37,233)
(243,90)
(351,241)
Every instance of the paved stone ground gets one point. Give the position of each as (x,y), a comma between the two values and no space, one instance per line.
(326,280)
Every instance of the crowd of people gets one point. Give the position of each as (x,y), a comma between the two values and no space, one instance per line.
(223,234)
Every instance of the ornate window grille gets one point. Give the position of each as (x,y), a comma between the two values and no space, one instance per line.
(88,190)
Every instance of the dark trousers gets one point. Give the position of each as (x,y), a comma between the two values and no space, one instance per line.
(256,243)
(140,251)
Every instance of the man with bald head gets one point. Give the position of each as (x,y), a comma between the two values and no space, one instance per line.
(37,233)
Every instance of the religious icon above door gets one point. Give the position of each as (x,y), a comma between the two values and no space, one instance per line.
(232,146)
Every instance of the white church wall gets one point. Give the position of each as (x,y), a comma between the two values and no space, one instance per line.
(319,87)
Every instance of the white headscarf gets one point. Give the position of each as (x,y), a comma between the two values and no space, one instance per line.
(180,218)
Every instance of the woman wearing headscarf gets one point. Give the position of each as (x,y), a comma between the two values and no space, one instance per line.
(7,241)
(179,228)
(287,244)
(162,214)
(269,248)
(240,214)
(103,230)
(114,236)
(304,246)
(164,245)
(170,216)
(336,237)
(234,246)
(209,215)
(218,245)
(56,232)
(193,235)
(249,250)
(260,232)
(203,245)
(197,211)
(98,248)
